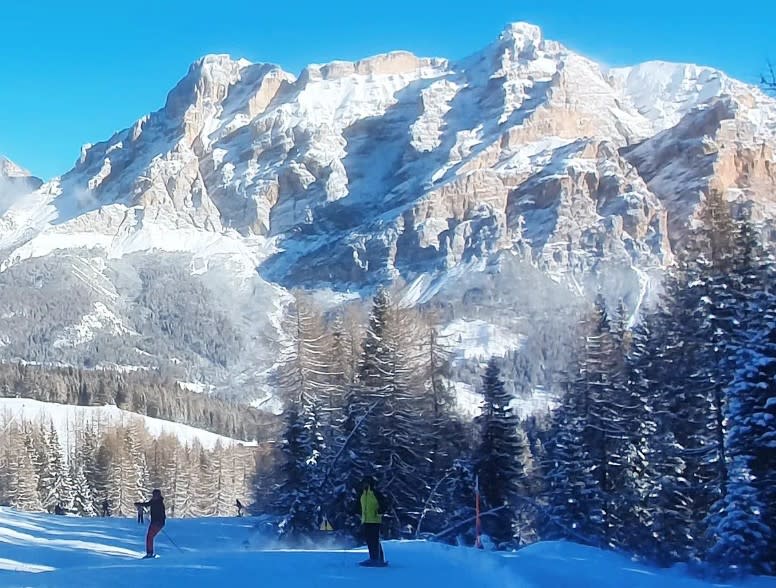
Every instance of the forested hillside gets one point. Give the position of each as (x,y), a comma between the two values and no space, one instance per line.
(142,392)
(663,444)
(119,464)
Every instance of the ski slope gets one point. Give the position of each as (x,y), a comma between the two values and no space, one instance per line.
(45,550)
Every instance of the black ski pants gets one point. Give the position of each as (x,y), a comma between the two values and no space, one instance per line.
(372,536)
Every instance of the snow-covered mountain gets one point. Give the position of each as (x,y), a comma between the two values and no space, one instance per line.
(175,241)
(15,181)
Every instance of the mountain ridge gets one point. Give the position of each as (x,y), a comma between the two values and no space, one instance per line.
(250,182)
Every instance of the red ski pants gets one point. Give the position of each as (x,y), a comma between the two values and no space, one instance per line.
(153,531)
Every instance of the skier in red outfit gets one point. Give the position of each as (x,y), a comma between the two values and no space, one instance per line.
(158,518)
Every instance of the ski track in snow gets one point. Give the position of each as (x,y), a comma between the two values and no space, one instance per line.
(46,551)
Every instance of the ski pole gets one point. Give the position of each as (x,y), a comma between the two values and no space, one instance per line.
(171,541)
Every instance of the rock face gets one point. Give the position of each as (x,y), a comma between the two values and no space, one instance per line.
(353,174)
(15,181)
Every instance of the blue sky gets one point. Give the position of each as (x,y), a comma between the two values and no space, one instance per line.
(75,72)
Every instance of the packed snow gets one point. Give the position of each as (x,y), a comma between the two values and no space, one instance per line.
(65,417)
(45,550)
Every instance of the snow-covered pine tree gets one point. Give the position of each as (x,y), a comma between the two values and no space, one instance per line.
(592,439)
(366,398)
(343,343)
(573,497)
(443,424)
(101,476)
(55,486)
(181,475)
(87,446)
(741,526)
(294,493)
(82,502)
(306,381)
(224,478)
(203,482)
(405,433)
(37,440)
(23,472)
(741,537)
(708,300)
(364,402)
(449,440)
(382,434)
(654,357)
(753,358)
(629,427)
(136,466)
(501,457)
(613,432)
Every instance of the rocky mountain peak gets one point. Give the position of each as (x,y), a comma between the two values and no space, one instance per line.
(249,182)
(8,169)
(521,36)
(14,182)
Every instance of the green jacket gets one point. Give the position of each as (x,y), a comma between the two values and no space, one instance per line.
(370,508)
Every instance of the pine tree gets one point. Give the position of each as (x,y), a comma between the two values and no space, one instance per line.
(459,499)
(306,380)
(138,484)
(707,302)
(669,519)
(87,446)
(294,493)
(383,433)
(403,455)
(24,493)
(204,485)
(574,501)
(594,442)
(500,459)
(741,537)
(444,430)
(100,477)
(54,483)
(82,502)
(365,403)
(631,425)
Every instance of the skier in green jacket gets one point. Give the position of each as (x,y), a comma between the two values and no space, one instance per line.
(371,520)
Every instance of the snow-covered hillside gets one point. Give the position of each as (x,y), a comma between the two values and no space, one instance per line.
(44,550)
(68,420)
(251,181)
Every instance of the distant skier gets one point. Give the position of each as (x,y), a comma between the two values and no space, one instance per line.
(158,518)
(240,507)
(140,515)
(105,508)
(371,519)
(58,510)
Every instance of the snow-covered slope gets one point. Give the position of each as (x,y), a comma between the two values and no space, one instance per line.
(250,181)
(44,550)
(68,419)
